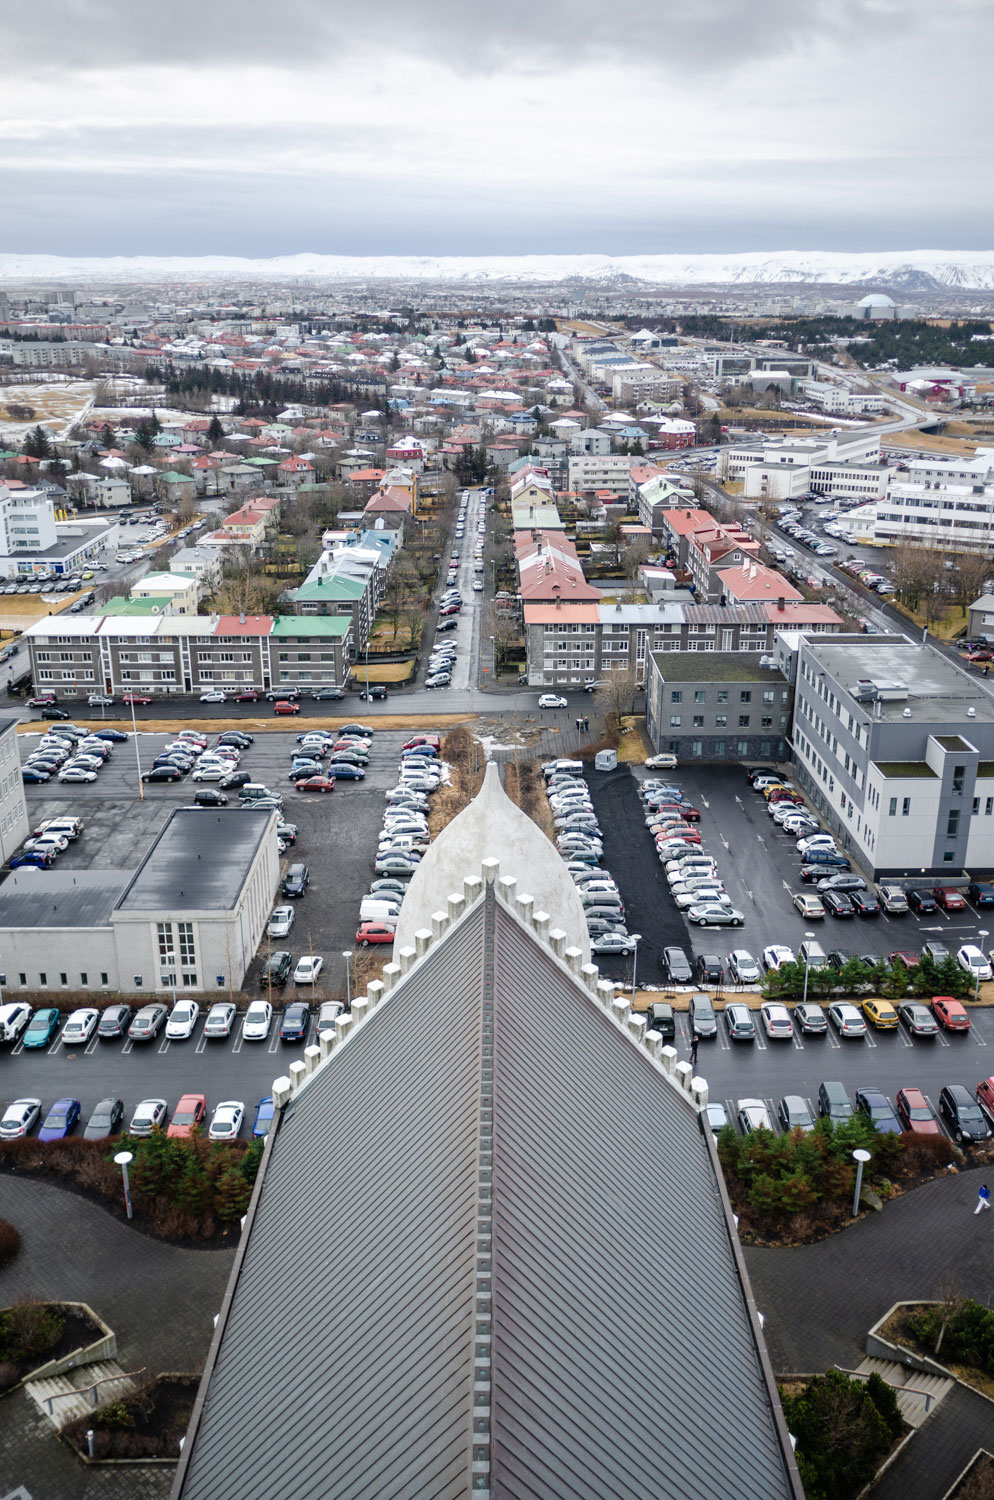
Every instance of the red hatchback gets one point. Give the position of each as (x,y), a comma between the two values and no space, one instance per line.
(949,898)
(374,932)
(251,696)
(190,1111)
(284,706)
(950,1013)
(136,699)
(985,1095)
(915,1112)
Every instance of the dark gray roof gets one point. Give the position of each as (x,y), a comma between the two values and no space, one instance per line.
(518,1271)
(714,666)
(199,861)
(60,898)
(726,614)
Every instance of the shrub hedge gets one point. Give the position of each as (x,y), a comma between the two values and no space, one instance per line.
(969,1333)
(844,1429)
(891,980)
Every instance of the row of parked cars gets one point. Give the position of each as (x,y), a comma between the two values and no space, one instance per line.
(36,1029)
(107,1118)
(691,872)
(965,1114)
(404,838)
(578,839)
(70,753)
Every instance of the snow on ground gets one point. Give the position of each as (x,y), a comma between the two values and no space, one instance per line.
(57,406)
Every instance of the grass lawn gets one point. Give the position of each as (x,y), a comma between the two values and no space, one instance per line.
(947,629)
(387,671)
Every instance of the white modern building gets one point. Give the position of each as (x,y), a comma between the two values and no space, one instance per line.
(947,503)
(782,468)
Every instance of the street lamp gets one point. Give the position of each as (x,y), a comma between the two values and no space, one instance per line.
(860,1157)
(122,1159)
(809,938)
(982,933)
(138,763)
(347,955)
(636,938)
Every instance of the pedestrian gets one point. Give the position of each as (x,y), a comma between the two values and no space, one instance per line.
(983,1198)
(586,721)
(987,670)
(693,1052)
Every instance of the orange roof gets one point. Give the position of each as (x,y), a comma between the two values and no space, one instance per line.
(756,582)
(570,610)
(249,625)
(686,522)
(373,475)
(800,612)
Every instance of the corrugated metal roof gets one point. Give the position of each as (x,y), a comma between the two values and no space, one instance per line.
(487,1092)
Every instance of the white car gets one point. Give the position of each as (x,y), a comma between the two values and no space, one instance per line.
(80,1026)
(215,696)
(743,967)
(151,1113)
(777,1020)
(182,1019)
(971,958)
(55,843)
(308,969)
(76,773)
(753,1115)
(13,1019)
(711,894)
(258,1019)
(550,700)
(19,1118)
(211,772)
(226,1121)
(776,955)
(281,921)
(815,841)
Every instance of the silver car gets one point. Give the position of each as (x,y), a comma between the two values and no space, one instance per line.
(150,1115)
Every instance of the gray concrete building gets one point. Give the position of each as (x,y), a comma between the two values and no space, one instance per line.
(717,706)
(14,824)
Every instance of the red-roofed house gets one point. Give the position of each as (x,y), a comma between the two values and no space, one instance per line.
(753,582)
(294,471)
(717,548)
(798,614)
(680,525)
(390,507)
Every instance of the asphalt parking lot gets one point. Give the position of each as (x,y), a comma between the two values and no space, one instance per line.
(759,866)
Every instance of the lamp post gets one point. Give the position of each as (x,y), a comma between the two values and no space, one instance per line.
(134,735)
(493,655)
(982,933)
(122,1159)
(809,938)
(860,1157)
(636,938)
(347,955)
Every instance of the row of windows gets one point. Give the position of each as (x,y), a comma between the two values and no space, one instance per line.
(84,981)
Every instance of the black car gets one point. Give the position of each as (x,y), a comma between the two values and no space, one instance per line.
(837,903)
(234,779)
(324,695)
(236,737)
(116,736)
(163,773)
(54,713)
(208,797)
(276,969)
(105,1119)
(980,893)
(966,1118)
(296,880)
(660,1017)
(370,694)
(922,902)
(449,624)
(755,771)
(708,969)
(676,966)
(115,1021)
(296,1022)
(839,957)
(866,905)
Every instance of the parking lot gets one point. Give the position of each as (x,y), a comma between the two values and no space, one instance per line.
(759,865)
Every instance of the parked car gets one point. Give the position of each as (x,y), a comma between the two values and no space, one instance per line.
(676,966)
(149,1115)
(777,1021)
(308,969)
(917,1018)
(877,1107)
(739,1023)
(708,969)
(753,1115)
(276,969)
(60,1121)
(148,1022)
(949,898)
(265,1110)
(743,967)
(182,1020)
(973,961)
(810,907)
(296,1022)
(793,1114)
(281,921)
(922,903)
(915,1113)
(42,1027)
(811,1018)
(950,1013)
(846,1019)
(188,1115)
(226,1121)
(776,955)
(105,1119)
(220,1019)
(881,1013)
(715,916)
(962,1112)
(80,1026)
(701,1016)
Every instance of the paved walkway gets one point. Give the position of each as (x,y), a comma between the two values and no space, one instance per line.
(160,1301)
(820,1301)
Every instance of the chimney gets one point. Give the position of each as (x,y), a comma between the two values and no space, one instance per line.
(781,605)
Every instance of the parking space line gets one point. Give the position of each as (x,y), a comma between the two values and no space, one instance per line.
(202,1044)
(237,1044)
(275,1040)
(18,1047)
(163,1046)
(53,1049)
(91,1045)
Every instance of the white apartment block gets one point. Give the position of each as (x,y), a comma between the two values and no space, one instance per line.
(839,401)
(27,521)
(643,383)
(600,472)
(13,813)
(781,469)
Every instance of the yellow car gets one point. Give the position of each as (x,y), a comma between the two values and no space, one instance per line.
(881,1013)
(86,575)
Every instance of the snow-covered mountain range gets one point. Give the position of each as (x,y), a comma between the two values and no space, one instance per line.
(913,270)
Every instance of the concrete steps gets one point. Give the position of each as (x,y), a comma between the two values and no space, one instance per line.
(918,1394)
(60,1398)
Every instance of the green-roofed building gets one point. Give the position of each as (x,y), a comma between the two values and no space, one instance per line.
(311,652)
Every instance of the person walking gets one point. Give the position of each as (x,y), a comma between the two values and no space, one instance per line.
(693,1062)
(983,1198)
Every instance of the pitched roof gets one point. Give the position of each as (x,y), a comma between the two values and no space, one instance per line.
(486,1158)
(753,581)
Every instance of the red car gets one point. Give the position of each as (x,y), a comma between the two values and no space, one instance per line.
(284,706)
(949,898)
(675,810)
(374,932)
(316,784)
(915,1112)
(450,609)
(250,696)
(907,957)
(950,1013)
(978,656)
(42,700)
(985,1095)
(190,1111)
(136,699)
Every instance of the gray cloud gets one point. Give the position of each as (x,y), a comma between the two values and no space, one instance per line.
(65,35)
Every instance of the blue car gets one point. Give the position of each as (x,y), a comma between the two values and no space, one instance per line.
(33,777)
(37,857)
(42,1027)
(342,771)
(302,768)
(116,735)
(60,1120)
(296,1022)
(263,1116)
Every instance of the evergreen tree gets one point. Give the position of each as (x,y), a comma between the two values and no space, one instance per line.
(215,432)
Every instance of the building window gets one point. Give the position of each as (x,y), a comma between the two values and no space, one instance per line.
(988,806)
(190,981)
(22,980)
(766,722)
(698,721)
(84,980)
(167,954)
(676,696)
(697,747)
(44,979)
(674,721)
(959,773)
(719,747)
(952,824)
(745,696)
(742,747)
(976,806)
(700,696)
(722,696)
(949,856)
(892,810)
(104,980)
(721,721)
(187,955)
(905,807)
(743,721)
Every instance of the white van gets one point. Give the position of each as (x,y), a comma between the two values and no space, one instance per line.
(387,912)
(563,768)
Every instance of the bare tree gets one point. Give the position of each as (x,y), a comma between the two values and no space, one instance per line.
(616,694)
(969,578)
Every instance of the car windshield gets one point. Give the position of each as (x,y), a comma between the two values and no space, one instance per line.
(183,1117)
(57,1117)
(918,1113)
(879,1111)
(969,1114)
(255,1013)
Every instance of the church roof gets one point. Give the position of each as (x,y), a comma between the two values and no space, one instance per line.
(522,1272)
(493,827)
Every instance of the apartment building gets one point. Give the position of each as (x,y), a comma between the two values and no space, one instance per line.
(781,468)
(712,551)
(933,502)
(723,707)
(588,473)
(14,825)
(895,745)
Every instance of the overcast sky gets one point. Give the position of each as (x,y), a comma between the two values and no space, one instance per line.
(447,127)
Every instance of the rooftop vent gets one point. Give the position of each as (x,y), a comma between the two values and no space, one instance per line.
(971,713)
(906,713)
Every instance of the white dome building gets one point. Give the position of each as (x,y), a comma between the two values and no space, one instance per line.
(877,305)
(492,827)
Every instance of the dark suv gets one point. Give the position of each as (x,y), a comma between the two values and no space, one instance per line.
(276,969)
(660,1018)
(966,1118)
(708,969)
(296,879)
